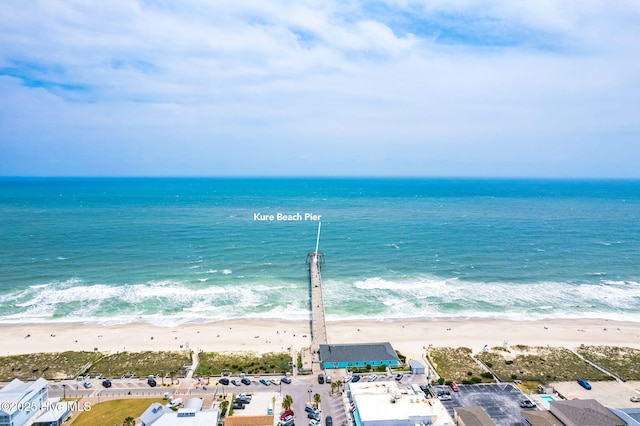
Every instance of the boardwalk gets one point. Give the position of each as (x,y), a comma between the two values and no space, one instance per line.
(318,326)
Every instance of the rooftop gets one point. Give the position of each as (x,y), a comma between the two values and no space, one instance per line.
(387,402)
(357,352)
(582,412)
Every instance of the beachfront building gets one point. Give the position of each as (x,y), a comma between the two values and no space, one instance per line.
(56,415)
(385,404)
(191,414)
(21,402)
(472,416)
(575,412)
(358,355)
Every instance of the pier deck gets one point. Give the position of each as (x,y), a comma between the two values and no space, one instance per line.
(318,325)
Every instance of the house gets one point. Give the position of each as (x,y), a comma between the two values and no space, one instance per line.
(358,355)
(30,397)
(472,416)
(580,412)
(56,415)
(576,412)
(191,415)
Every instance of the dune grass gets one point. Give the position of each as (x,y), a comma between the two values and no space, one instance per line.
(143,364)
(47,365)
(214,363)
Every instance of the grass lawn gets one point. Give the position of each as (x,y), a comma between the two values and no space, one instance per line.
(110,413)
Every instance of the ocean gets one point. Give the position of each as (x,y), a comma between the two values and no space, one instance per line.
(175,250)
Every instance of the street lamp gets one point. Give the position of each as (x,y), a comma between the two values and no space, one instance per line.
(309,392)
(64,391)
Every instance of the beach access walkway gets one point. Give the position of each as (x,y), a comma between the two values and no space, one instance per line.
(318,324)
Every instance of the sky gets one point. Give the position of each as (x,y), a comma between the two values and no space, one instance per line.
(496,88)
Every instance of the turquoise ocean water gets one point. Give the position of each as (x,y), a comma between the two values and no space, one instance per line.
(168,251)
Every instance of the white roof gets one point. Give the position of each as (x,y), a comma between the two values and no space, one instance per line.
(18,391)
(374,404)
(200,418)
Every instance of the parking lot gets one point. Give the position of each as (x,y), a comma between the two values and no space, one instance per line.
(608,393)
(501,401)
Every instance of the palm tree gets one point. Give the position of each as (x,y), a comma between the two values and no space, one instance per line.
(287,402)
(339,384)
(129,421)
(316,399)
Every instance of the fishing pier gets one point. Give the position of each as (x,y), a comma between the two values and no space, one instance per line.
(318,324)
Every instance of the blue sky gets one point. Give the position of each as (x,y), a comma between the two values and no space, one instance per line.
(387,88)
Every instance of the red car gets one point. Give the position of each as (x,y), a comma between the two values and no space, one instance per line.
(454,387)
(286,414)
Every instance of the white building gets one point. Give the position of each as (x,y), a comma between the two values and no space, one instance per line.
(191,415)
(21,402)
(385,404)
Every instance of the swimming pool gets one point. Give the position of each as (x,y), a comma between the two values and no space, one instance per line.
(547,399)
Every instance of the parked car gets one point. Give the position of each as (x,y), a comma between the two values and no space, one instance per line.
(355,378)
(346,379)
(444,395)
(314,415)
(372,377)
(328,379)
(236,382)
(321,378)
(106,383)
(223,381)
(275,381)
(310,408)
(584,384)
(265,382)
(246,381)
(314,422)
(399,376)
(328,421)
(152,382)
(454,387)
(289,422)
(286,380)
(527,404)
(635,398)
(286,414)
(242,400)
(87,385)
(238,406)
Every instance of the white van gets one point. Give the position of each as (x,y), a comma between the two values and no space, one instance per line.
(175,402)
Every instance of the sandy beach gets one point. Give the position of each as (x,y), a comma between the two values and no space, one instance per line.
(407,336)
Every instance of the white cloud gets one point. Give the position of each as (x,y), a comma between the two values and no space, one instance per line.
(411,82)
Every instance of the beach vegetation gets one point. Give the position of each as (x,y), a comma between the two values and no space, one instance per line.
(539,363)
(455,364)
(623,362)
(213,363)
(58,365)
(143,364)
(113,412)
(224,405)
